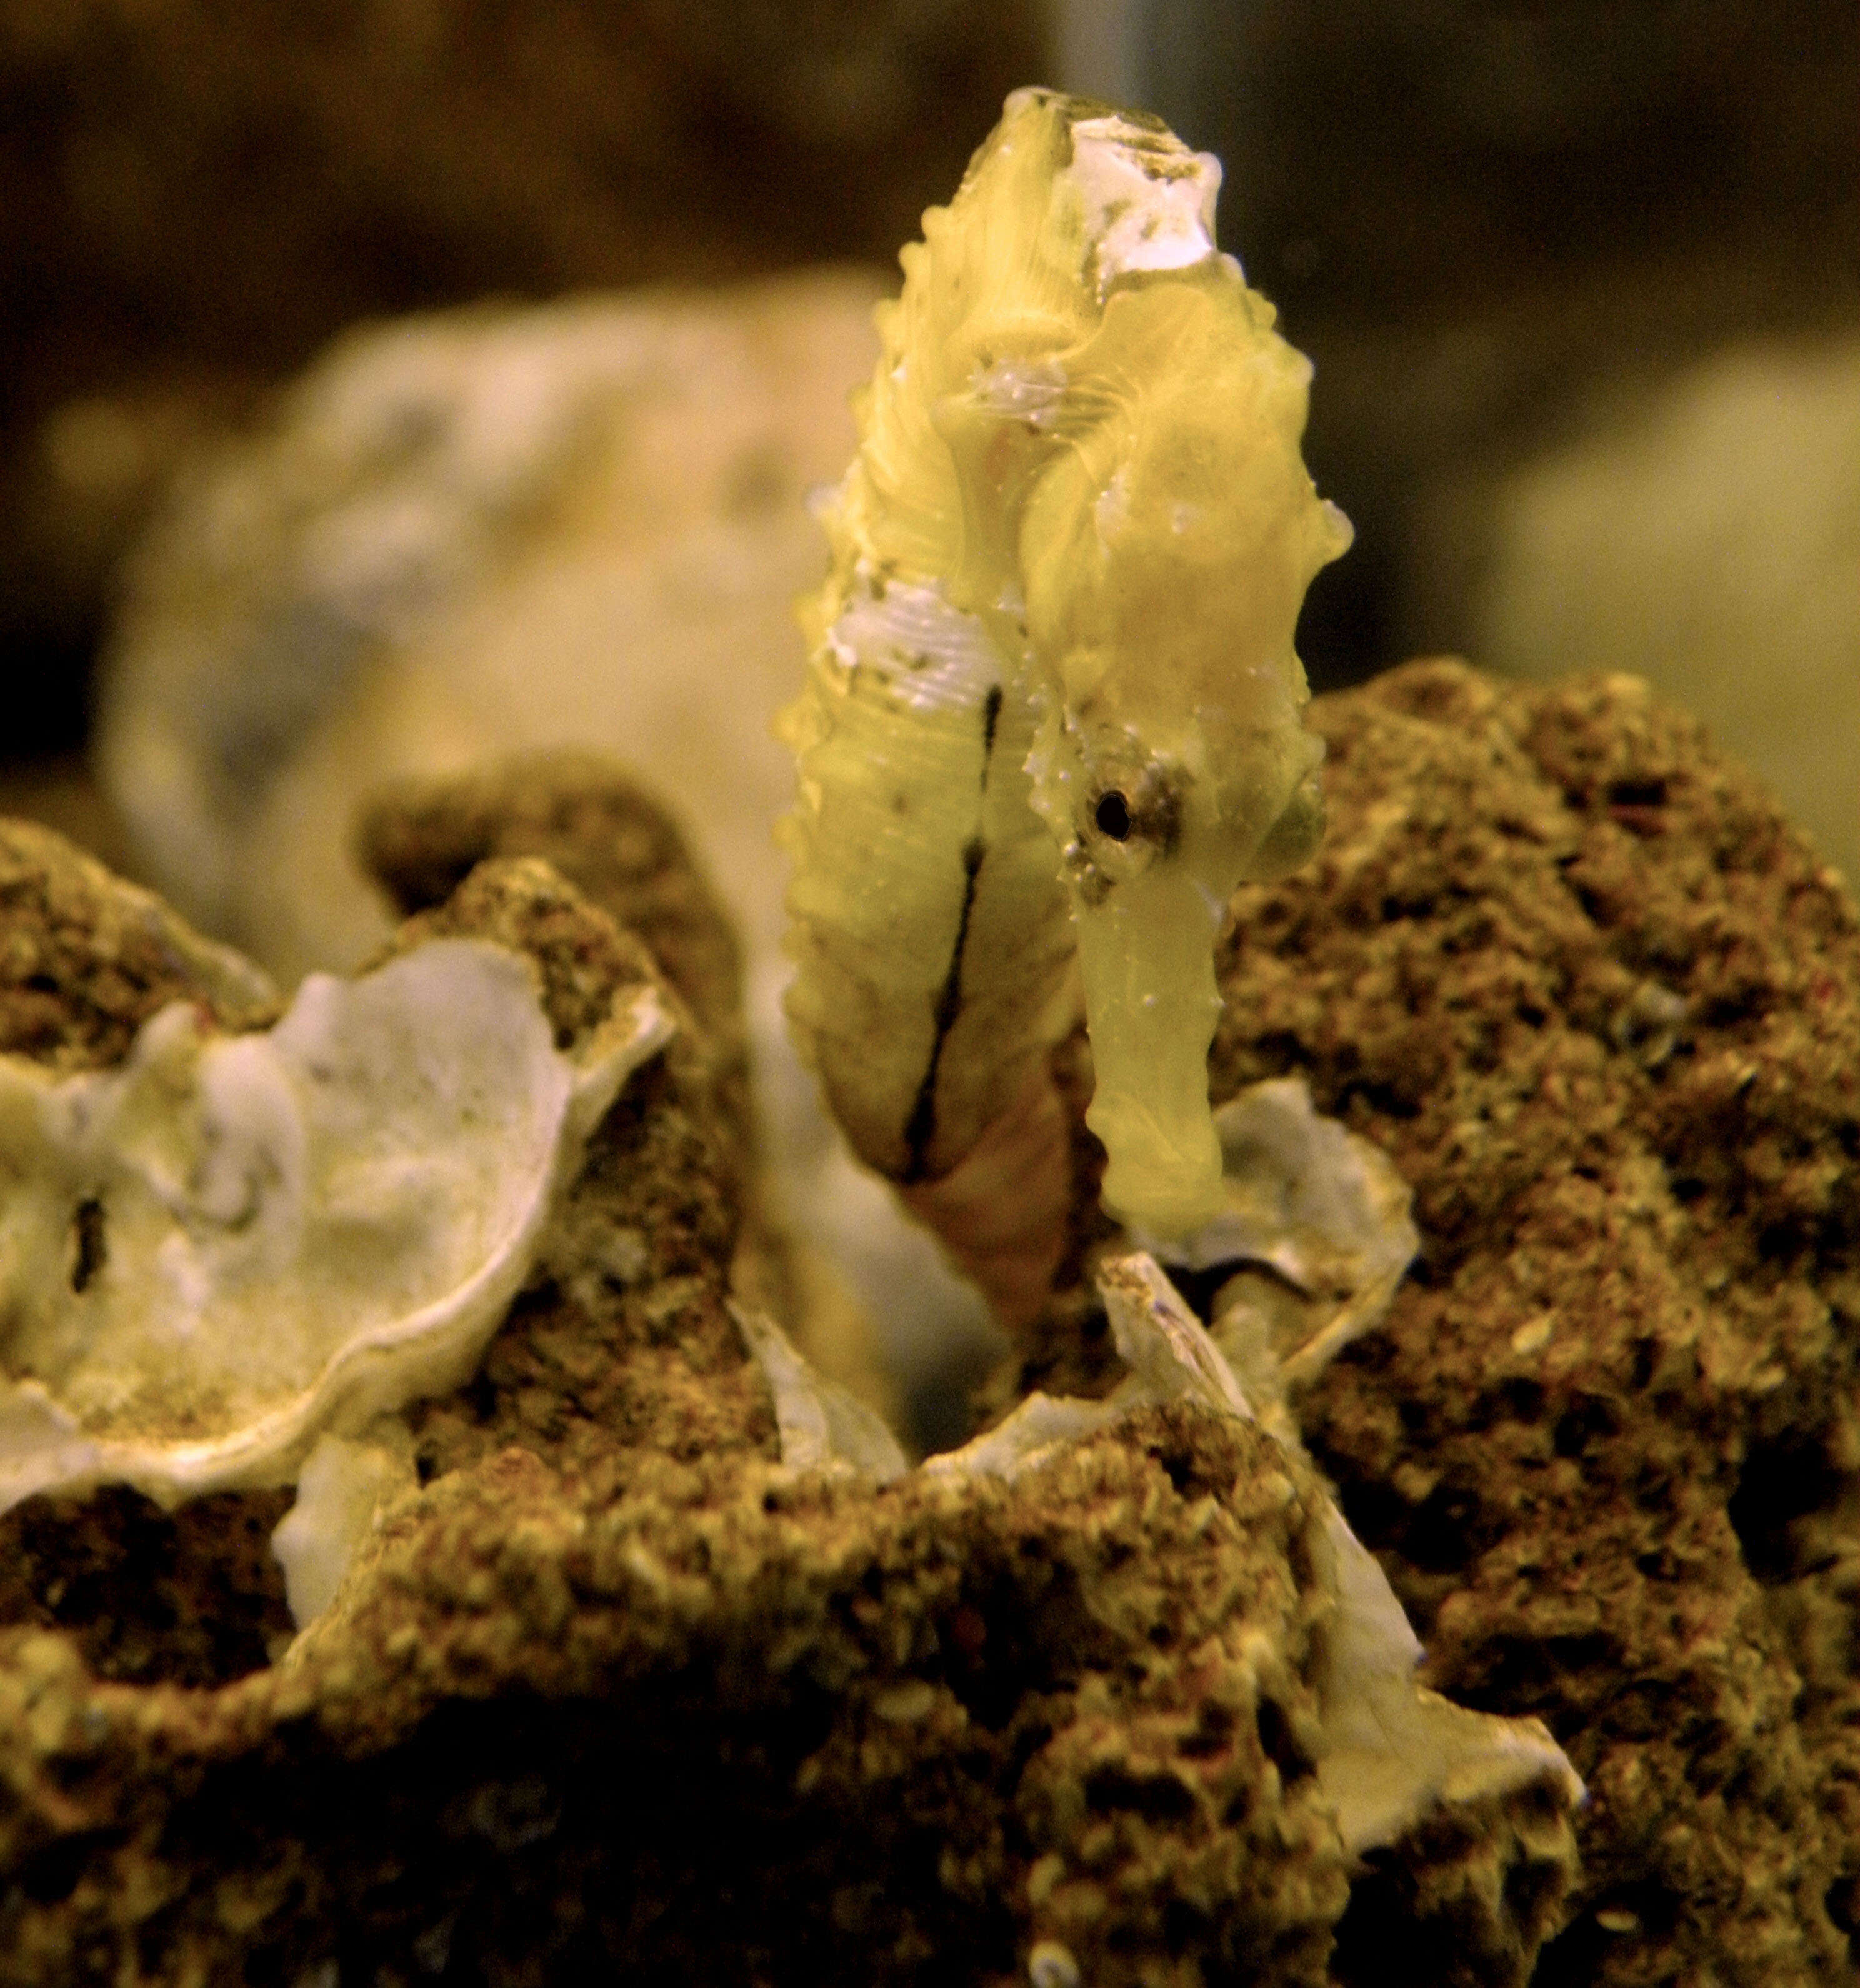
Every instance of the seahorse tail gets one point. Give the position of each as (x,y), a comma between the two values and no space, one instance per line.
(1001,1212)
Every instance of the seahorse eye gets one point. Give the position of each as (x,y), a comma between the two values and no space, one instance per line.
(1113,816)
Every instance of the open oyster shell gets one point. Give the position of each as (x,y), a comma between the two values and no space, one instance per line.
(229,1245)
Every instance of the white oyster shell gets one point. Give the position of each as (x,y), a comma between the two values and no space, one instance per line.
(229,1246)
(1316,1232)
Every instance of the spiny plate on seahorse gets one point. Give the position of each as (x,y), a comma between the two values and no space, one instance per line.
(1052,713)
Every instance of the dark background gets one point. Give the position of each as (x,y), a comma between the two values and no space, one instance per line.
(1467,213)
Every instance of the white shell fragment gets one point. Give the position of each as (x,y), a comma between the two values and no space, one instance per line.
(229,1246)
(1165,1346)
(341,1489)
(1393,1749)
(1037,1428)
(820,1425)
(1169,1355)
(1325,1211)
(1149,205)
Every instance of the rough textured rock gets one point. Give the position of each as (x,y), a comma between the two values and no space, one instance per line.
(1602,1006)
(85,959)
(611,1688)
(588,818)
(611,1691)
(692,1718)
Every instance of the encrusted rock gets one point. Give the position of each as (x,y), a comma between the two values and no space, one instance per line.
(234,1244)
(87,958)
(1600,1005)
(588,818)
(609,1689)
(614,1691)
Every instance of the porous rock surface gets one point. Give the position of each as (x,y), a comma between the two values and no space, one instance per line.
(1601,1004)
(589,819)
(614,1693)
(581,814)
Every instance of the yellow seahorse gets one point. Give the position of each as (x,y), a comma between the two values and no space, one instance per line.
(1052,713)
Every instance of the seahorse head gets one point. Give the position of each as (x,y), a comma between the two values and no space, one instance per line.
(1164,552)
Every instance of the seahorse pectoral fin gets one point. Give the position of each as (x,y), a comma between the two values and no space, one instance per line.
(1145,955)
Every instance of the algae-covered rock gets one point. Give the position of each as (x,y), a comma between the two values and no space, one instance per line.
(608,1689)
(589,819)
(88,959)
(612,1690)
(1601,1006)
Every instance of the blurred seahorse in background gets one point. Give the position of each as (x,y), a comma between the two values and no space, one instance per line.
(1053,714)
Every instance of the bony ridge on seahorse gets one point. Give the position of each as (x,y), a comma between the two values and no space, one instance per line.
(1052,712)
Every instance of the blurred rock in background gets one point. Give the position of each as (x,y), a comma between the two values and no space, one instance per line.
(193,200)
(1706,535)
(470,533)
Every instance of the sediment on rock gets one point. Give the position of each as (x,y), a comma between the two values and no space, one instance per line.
(590,820)
(611,1689)
(89,958)
(1601,1004)
(614,1691)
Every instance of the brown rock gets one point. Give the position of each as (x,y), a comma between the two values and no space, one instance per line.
(702,1717)
(612,1692)
(1602,1006)
(587,817)
(85,959)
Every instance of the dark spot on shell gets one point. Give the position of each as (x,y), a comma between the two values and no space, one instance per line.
(91,1250)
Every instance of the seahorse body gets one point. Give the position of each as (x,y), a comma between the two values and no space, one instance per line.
(1051,716)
